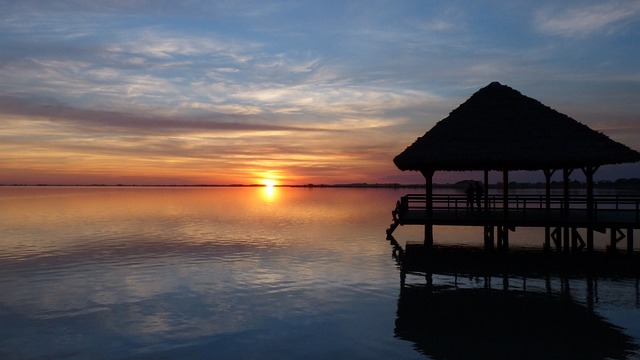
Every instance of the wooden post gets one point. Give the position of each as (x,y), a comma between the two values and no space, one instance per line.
(589,171)
(547,238)
(566,172)
(486,190)
(547,229)
(428,226)
(503,230)
(503,238)
(488,237)
(547,176)
(505,192)
(630,241)
(590,240)
(565,186)
(613,240)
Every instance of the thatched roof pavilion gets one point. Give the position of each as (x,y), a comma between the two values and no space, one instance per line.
(498,128)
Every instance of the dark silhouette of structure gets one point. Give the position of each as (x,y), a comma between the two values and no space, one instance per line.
(499,129)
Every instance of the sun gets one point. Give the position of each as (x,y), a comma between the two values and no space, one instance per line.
(269,189)
(269,183)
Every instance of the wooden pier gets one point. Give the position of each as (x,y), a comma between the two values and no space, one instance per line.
(498,129)
(561,217)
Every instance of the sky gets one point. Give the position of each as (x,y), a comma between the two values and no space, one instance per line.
(298,92)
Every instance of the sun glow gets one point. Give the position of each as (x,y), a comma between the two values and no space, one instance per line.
(269,188)
(269,183)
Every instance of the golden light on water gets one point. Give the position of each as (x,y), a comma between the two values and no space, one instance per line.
(269,188)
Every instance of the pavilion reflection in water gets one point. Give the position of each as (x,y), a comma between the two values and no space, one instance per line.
(485,323)
(465,302)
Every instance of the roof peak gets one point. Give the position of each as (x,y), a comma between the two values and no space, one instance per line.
(498,127)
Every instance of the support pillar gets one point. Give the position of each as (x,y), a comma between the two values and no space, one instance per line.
(589,171)
(617,235)
(630,241)
(547,176)
(486,190)
(489,236)
(556,236)
(566,172)
(577,244)
(547,229)
(503,238)
(428,227)
(505,193)
(590,240)
(547,238)
(565,187)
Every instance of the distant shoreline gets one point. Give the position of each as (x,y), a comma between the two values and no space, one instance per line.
(630,184)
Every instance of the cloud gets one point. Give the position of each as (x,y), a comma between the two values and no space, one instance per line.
(113,121)
(583,20)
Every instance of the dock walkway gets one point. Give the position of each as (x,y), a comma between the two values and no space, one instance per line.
(558,214)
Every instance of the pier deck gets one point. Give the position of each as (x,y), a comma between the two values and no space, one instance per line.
(620,214)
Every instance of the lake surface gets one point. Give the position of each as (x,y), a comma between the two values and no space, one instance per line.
(246,273)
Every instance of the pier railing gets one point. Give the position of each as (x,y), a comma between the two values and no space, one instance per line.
(628,204)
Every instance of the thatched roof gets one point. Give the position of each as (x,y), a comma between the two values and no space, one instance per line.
(499,128)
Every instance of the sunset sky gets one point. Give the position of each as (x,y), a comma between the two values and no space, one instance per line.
(219,92)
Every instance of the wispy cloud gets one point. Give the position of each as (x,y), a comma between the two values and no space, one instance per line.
(86,120)
(582,20)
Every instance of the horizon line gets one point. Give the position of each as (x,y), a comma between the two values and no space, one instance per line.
(307,185)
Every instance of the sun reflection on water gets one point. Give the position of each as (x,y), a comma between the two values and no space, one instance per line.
(269,192)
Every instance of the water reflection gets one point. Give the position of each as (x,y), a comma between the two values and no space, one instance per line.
(450,323)
(196,273)
(203,273)
(460,302)
(269,192)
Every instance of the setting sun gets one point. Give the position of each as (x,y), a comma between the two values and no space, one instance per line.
(269,182)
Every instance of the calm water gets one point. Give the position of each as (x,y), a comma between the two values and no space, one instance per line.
(238,273)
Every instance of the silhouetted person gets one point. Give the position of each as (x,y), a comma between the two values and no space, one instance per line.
(479,192)
(401,208)
(470,193)
(396,211)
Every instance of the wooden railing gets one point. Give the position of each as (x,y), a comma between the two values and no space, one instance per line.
(523,203)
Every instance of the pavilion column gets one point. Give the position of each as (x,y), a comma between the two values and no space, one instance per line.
(489,232)
(503,230)
(505,192)
(428,225)
(566,172)
(486,190)
(547,176)
(547,229)
(589,171)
